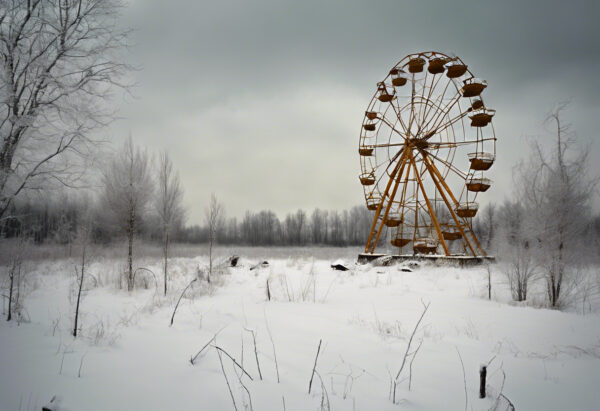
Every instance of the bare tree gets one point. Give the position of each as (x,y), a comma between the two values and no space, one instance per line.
(128,187)
(557,191)
(15,278)
(518,249)
(213,215)
(336,224)
(489,222)
(58,64)
(168,205)
(83,238)
(316,226)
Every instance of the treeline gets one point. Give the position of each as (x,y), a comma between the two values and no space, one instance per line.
(264,228)
(57,220)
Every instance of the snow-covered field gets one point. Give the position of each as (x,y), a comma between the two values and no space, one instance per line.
(127,357)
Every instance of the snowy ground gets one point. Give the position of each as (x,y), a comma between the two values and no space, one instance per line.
(128,358)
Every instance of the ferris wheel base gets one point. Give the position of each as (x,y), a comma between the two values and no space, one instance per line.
(452,260)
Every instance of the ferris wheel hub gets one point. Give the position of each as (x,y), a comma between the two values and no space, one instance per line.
(419,143)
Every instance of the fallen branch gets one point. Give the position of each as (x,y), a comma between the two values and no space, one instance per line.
(180,297)
(314,367)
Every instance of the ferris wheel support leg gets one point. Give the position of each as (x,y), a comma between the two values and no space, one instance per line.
(378,211)
(477,243)
(371,247)
(431,212)
(397,177)
(473,236)
(435,175)
(402,197)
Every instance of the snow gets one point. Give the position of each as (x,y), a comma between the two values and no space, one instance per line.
(130,359)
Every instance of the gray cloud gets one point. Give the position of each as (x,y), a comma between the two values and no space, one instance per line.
(261,102)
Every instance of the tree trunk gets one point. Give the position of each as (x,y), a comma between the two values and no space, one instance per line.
(166,255)
(482,378)
(10,294)
(210,244)
(489,283)
(130,257)
(79,291)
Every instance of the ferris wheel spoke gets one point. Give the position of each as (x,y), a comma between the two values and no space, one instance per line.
(438,103)
(421,98)
(398,112)
(412,106)
(383,145)
(389,164)
(428,102)
(444,112)
(403,135)
(446,163)
(457,143)
(437,81)
(450,122)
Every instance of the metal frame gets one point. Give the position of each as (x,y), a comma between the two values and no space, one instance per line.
(420,146)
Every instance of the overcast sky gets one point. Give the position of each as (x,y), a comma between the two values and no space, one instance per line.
(261,102)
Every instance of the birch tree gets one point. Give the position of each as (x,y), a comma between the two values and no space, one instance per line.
(128,188)
(213,216)
(58,65)
(168,205)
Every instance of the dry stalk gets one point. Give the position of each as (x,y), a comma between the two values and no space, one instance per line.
(227,380)
(464,378)
(180,297)
(255,351)
(233,360)
(314,367)
(408,353)
(273,344)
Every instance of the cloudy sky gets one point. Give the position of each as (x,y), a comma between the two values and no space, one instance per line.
(261,101)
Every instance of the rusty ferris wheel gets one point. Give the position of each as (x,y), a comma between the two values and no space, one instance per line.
(425,145)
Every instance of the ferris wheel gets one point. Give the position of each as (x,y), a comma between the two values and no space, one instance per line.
(426,143)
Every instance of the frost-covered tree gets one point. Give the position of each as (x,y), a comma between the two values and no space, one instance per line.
(128,188)
(517,248)
(58,63)
(556,191)
(168,205)
(213,216)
